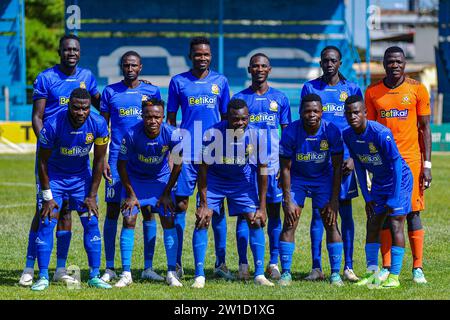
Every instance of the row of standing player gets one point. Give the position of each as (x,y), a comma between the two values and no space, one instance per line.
(260,97)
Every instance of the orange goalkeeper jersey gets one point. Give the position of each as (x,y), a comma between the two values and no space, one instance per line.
(398,109)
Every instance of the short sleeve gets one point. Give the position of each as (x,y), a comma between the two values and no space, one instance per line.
(285,112)
(224,97)
(388,146)
(371,111)
(93,86)
(335,140)
(47,137)
(173,100)
(125,148)
(102,136)
(40,88)
(356,91)
(423,101)
(157,93)
(287,143)
(104,101)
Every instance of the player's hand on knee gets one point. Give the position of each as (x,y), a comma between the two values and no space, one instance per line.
(329,214)
(260,216)
(291,212)
(129,204)
(203,215)
(347,166)
(166,201)
(91,204)
(48,208)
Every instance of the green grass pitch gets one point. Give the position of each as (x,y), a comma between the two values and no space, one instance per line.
(17,194)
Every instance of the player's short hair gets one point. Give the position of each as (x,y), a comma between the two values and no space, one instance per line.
(393,49)
(309,98)
(67,37)
(331,48)
(353,99)
(79,93)
(130,53)
(198,40)
(259,54)
(236,104)
(152,102)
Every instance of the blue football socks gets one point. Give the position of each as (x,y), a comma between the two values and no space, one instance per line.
(44,245)
(242,234)
(62,247)
(199,245)
(180,224)
(171,245)
(257,244)
(149,228)
(397,254)
(31,249)
(348,233)
(219,226)
(316,234)
(109,235)
(274,231)
(372,250)
(126,248)
(335,255)
(92,244)
(286,252)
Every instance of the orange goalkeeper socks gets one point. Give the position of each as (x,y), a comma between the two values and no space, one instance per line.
(386,244)
(416,239)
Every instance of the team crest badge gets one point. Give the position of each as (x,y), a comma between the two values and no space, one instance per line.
(406,100)
(343,96)
(83,85)
(324,145)
(273,106)
(215,89)
(164,149)
(144,97)
(89,138)
(372,148)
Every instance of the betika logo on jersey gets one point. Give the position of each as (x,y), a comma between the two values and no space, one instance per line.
(130,112)
(331,107)
(373,159)
(202,100)
(63,101)
(150,159)
(311,157)
(76,151)
(394,113)
(263,117)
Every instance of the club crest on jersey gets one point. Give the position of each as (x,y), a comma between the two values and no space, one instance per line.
(89,138)
(372,148)
(324,145)
(215,89)
(83,85)
(343,96)
(144,97)
(273,106)
(164,149)
(405,100)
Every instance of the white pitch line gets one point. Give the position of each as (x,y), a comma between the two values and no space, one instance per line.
(17,184)
(7,206)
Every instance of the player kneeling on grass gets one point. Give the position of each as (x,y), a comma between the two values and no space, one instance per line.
(229,163)
(311,152)
(373,148)
(64,173)
(147,184)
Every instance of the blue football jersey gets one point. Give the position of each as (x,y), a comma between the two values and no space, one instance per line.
(268,111)
(148,158)
(202,102)
(231,160)
(71,146)
(124,106)
(375,150)
(333,99)
(56,87)
(311,155)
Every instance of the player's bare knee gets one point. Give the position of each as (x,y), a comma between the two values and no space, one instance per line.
(182,205)
(167,222)
(147,214)
(129,222)
(414,222)
(273,210)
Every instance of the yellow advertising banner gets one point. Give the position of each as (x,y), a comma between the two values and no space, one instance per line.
(17,132)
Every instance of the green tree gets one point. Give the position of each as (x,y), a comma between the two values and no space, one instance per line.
(44,25)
